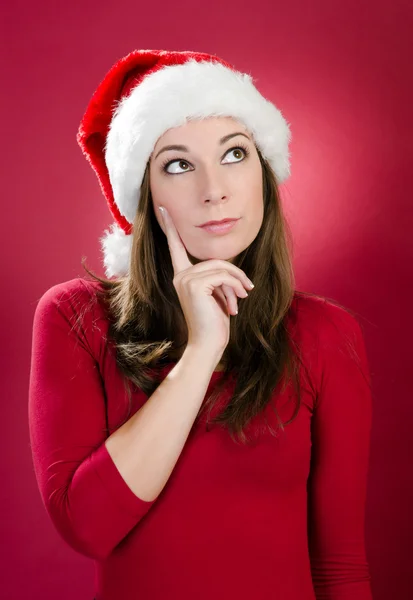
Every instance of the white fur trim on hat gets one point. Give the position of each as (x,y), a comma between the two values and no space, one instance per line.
(167,98)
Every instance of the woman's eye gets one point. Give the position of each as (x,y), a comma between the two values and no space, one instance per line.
(175,162)
(239,153)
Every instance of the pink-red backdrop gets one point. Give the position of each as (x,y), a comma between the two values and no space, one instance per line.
(341,72)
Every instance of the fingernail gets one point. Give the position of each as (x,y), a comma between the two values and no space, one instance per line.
(251,284)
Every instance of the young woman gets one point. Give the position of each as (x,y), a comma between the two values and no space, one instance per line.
(197,435)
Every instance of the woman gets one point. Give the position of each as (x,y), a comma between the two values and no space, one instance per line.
(191,450)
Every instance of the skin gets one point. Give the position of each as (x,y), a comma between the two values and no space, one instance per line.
(209,182)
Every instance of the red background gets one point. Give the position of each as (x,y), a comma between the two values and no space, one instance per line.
(341,73)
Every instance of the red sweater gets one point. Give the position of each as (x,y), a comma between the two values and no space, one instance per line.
(282,519)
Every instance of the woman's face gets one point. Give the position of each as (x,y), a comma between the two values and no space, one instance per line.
(209,179)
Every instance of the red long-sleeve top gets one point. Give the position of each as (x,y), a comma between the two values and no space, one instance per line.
(281,519)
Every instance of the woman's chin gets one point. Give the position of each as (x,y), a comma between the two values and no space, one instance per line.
(195,259)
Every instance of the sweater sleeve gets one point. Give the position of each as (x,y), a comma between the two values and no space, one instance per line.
(84,494)
(337,484)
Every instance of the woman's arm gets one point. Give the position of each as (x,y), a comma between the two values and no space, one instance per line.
(95,496)
(337,485)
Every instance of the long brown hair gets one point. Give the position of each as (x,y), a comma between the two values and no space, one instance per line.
(147,321)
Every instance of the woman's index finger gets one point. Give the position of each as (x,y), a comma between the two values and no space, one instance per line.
(179,256)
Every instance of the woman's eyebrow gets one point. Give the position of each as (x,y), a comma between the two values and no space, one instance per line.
(186,149)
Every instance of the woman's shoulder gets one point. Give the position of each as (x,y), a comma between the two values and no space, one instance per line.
(71,311)
(76,288)
(313,305)
(73,296)
(324,316)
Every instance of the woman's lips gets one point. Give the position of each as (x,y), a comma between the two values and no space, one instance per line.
(220,228)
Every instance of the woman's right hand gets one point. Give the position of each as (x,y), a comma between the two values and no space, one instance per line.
(207,292)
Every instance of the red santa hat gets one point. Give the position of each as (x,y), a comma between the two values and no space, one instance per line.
(143,95)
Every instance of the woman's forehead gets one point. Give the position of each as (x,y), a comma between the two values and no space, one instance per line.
(215,126)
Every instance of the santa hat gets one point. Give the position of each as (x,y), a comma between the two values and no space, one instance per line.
(142,96)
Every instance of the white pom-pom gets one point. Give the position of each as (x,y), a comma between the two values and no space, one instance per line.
(116,246)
